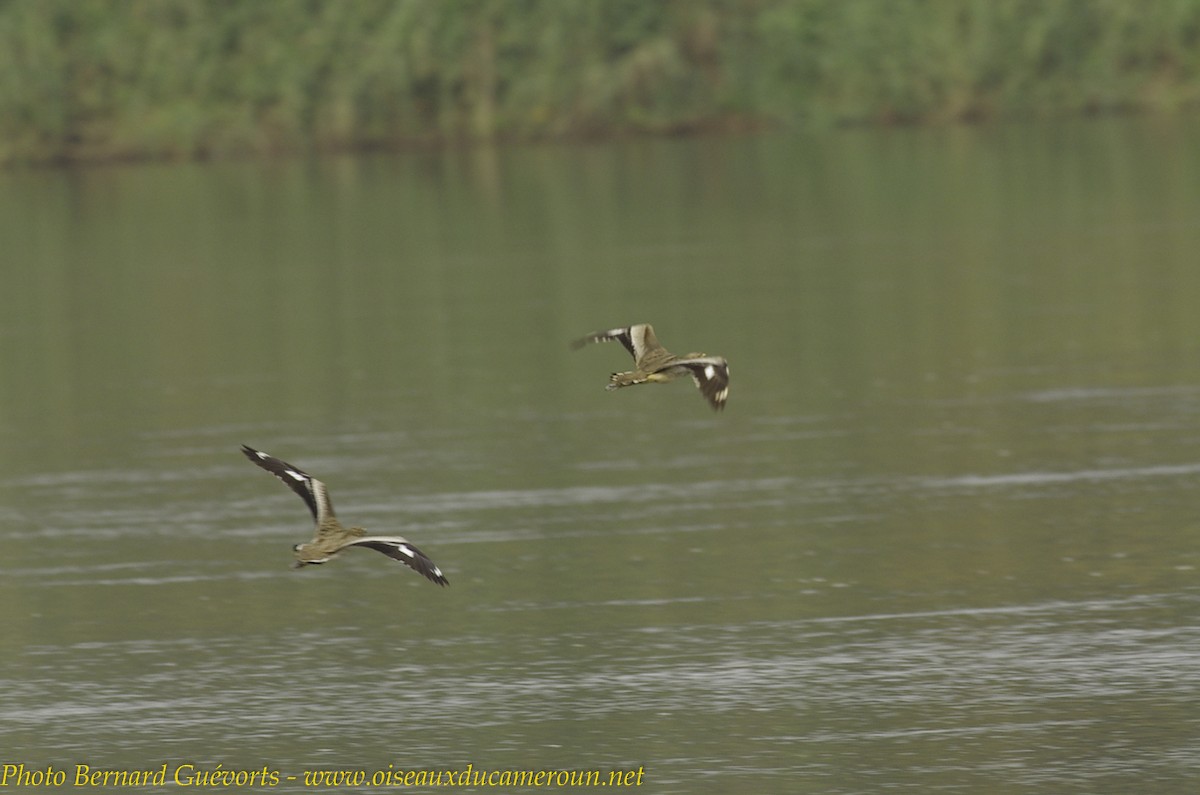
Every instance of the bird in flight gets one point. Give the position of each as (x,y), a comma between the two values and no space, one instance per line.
(331,536)
(652,363)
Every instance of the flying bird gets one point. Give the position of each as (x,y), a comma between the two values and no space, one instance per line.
(331,536)
(652,363)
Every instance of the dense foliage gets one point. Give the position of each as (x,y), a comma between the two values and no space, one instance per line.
(184,78)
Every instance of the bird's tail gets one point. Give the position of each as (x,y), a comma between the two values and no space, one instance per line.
(618,380)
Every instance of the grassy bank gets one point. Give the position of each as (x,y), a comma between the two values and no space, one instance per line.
(94,79)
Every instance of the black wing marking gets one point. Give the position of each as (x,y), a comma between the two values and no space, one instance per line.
(620,334)
(400,549)
(312,491)
(711,375)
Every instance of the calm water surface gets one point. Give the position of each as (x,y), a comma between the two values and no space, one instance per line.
(945,537)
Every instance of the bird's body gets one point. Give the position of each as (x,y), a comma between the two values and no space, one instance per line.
(331,536)
(652,363)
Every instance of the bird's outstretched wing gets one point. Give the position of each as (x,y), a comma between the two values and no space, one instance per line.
(400,549)
(311,490)
(711,374)
(638,339)
(622,335)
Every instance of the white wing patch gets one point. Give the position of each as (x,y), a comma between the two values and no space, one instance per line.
(637,335)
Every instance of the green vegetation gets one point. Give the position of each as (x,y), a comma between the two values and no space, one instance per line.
(84,79)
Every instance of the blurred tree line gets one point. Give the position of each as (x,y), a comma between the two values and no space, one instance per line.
(87,79)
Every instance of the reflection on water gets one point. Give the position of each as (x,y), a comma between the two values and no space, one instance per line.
(942,539)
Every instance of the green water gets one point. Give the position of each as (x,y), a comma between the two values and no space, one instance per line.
(943,538)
